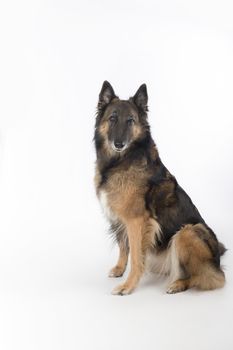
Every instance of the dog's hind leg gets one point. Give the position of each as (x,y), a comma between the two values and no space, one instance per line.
(195,250)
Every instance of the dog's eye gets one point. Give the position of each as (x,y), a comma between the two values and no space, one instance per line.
(113,118)
(130,121)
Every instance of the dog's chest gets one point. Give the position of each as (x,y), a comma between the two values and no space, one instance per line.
(115,195)
(123,193)
(122,200)
(105,204)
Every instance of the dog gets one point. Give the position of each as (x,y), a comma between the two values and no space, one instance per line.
(150,215)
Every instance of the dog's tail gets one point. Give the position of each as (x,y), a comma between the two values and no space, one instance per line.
(221,248)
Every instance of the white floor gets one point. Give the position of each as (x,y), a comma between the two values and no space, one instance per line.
(54,250)
(58,297)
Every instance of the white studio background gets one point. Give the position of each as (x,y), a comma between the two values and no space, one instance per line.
(54,250)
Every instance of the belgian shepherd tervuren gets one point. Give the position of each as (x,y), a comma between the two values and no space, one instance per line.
(149,213)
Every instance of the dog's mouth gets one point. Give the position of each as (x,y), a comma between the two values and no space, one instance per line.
(118,150)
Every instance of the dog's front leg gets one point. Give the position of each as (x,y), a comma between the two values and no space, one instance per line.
(119,269)
(134,231)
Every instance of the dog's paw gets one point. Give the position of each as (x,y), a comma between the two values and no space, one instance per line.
(116,271)
(176,287)
(122,289)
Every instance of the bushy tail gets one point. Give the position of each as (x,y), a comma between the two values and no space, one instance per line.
(209,278)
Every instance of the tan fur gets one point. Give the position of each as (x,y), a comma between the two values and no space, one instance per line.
(97,178)
(103,129)
(125,193)
(137,131)
(152,230)
(125,197)
(187,249)
(195,256)
(134,231)
(126,200)
(154,152)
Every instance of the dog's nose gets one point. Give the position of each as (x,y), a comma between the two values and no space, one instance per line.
(119,145)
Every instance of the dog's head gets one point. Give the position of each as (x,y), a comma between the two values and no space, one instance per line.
(120,123)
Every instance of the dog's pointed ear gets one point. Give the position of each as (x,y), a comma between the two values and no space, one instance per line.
(141,98)
(106,94)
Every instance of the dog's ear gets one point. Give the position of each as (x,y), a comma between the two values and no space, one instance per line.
(141,98)
(106,95)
